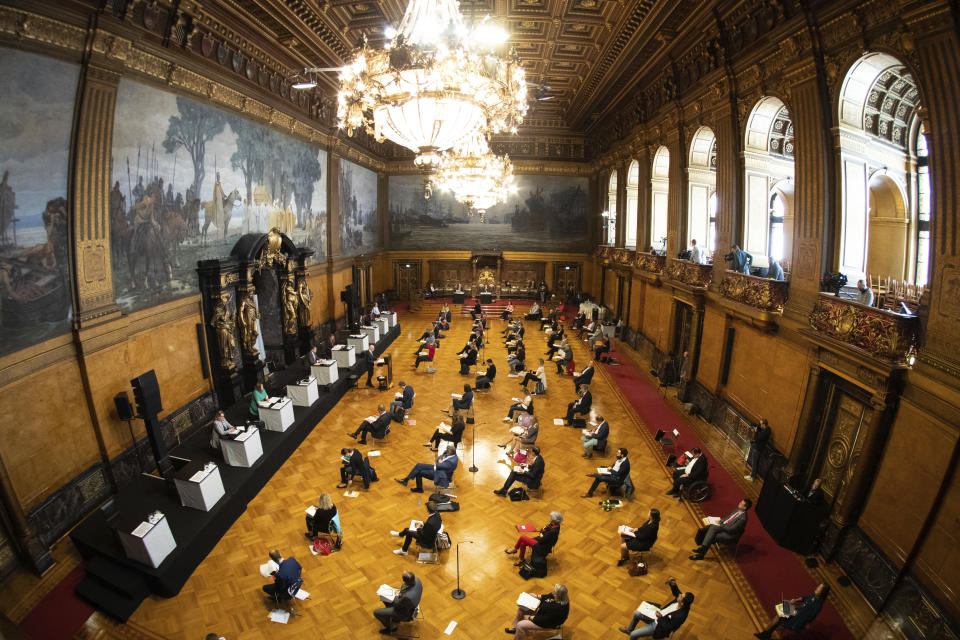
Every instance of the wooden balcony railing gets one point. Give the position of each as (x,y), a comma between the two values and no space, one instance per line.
(884,334)
(649,262)
(690,273)
(759,293)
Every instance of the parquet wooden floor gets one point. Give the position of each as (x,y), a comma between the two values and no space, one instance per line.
(223,595)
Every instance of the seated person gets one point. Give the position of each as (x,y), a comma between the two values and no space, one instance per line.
(222,429)
(525,406)
(425,532)
(530,474)
(507,312)
(585,377)
(522,435)
(694,471)
(430,333)
(550,318)
(516,360)
(352,464)
(468,360)
(580,406)
(615,475)
(425,356)
(602,348)
(805,610)
(453,433)
(534,313)
(563,360)
(558,345)
(464,402)
(259,395)
(587,329)
(429,340)
(324,517)
(550,614)
(484,378)
(471,342)
(535,376)
(440,472)
(403,605)
(404,397)
(312,357)
(547,538)
(378,427)
(285,579)
(639,538)
(477,310)
(727,530)
(669,617)
(515,347)
(596,436)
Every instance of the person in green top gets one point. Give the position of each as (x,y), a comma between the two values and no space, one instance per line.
(259,395)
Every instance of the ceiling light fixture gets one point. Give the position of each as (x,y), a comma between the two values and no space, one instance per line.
(474,175)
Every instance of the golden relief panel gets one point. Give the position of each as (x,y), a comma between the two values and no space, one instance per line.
(880,333)
(759,293)
(689,273)
(650,263)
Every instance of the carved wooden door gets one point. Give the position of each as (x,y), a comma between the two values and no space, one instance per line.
(406,279)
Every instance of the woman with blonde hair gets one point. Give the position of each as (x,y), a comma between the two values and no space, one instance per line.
(550,614)
(324,519)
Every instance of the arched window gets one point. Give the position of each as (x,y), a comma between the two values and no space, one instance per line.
(702,181)
(659,195)
(712,205)
(633,197)
(885,217)
(768,161)
(610,216)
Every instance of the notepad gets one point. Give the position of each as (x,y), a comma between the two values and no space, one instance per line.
(528,601)
(586,432)
(513,375)
(311,510)
(603,470)
(558,422)
(386,592)
(268,567)
(374,453)
(624,530)
(350,494)
(141,529)
(198,476)
(450,627)
(279,615)
(526,527)
(516,399)
(302,595)
(458,396)
(711,520)
(412,423)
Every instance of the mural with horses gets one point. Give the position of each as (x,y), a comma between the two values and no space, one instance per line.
(358,209)
(36,113)
(189,179)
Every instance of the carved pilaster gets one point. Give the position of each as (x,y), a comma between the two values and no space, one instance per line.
(643,157)
(729,184)
(677,198)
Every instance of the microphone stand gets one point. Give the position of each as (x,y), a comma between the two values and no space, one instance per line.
(473,447)
(458,593)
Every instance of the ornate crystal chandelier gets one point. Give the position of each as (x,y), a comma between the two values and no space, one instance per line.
(431,85)
(476,176)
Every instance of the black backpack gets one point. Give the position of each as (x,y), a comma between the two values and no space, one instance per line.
(517,494)
(448,506)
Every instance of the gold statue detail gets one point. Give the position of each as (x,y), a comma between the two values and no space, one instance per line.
(247,317)
(305,295)
(223,321)
(290,300)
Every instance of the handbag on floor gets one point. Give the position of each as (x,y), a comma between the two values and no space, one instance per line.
(638,569)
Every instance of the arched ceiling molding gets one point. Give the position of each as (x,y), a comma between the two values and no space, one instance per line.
(633,174)
(661,163)
(769,128)
(880,96)
(703,149)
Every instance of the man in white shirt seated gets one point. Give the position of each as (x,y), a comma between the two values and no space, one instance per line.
(864,294)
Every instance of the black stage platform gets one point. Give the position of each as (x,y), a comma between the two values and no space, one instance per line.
(116,584)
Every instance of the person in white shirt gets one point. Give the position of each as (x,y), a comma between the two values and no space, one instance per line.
(864,294)
(695,252)
(375,312)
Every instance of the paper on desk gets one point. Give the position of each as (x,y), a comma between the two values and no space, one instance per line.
(268,568)
(198,476)
(374,453)
(302,595)
(528,601)
(350,494)
(450,627)
(311,510)
(386,592)
(558,422)
(279,615)
(141,529)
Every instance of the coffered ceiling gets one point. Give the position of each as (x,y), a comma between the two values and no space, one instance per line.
(583,56)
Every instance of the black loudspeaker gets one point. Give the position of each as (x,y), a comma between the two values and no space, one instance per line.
(146,393)
(124,408)
(346,296)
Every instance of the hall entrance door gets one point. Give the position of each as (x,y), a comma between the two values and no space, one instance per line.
(406,278)
(682,327)
(839,437)
(566,276)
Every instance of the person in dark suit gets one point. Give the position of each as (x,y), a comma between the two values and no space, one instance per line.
(406,397)
(352,465)
(546,539)
(616,474)
(403,606)
(585,376)
(806,609)
(814,495)
(286,580)
(550,614)
(464,402)
(597,436)
(602,348)
(664,624)
(694,471)
(426,533)
(729,530)
(455,435)
(579,406)
(441,472)
(378,427)
(477,310)
(368,361)
(642,539)
(528,436)
(483,381)
(468,360)
(530,474)
(758,443)
(312,356)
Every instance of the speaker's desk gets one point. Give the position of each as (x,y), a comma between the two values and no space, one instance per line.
(359,341)
(345,355)
(304,393)
(325,371)
(199,485)
(145,538)
(244,450)
(276,413)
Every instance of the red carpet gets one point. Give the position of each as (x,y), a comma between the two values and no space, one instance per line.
(772,571)
(60,614)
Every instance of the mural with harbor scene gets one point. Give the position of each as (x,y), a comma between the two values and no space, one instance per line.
(36,113)
(358,209)
(189,179)
(545,213)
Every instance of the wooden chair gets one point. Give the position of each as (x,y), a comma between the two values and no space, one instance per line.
(413,630)
(545,634)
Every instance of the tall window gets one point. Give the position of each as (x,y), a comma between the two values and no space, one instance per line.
(923,209)
(776,227)
(610,219)
(702,183)
(659,195)
(633,197)
(712,209)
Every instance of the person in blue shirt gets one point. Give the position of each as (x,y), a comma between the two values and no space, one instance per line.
(286,579)
(805,610)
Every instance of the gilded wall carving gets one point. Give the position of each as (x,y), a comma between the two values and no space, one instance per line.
(694,275)
(880,333)
(760,293)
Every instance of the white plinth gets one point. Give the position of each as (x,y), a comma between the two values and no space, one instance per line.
(383,325)
(149,544)
(391,317)
(345,356)
(244,450)
(276,413)
(325,371)
(360,341)
(372,333)
(201,492)
(303,395)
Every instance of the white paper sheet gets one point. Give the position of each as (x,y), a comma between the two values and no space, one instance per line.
(268,567)
(450,627)
(279,615)
(528,601)
(374,453)
(302,595)
(141,529)
(558,422)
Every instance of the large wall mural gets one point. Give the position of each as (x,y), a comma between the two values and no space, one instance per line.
(36,115)
(189,179)
(358,209)
(546,213)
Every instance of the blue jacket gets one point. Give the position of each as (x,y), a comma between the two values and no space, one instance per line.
(407,397)
(444,471)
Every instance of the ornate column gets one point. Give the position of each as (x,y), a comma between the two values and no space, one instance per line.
(644,157)
(621,204)
(677,198)
(729,178)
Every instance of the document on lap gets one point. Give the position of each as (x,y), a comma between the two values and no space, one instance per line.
(458,396)
(624,530)
(268,567)
(387,592)
(602,470)
(311,510)
(711,520)
(528,601)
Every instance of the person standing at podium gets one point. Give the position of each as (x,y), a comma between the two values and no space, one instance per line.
(368,361)
(259,395)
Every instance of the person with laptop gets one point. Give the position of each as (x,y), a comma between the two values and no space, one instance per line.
(660,621)
(797,613)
